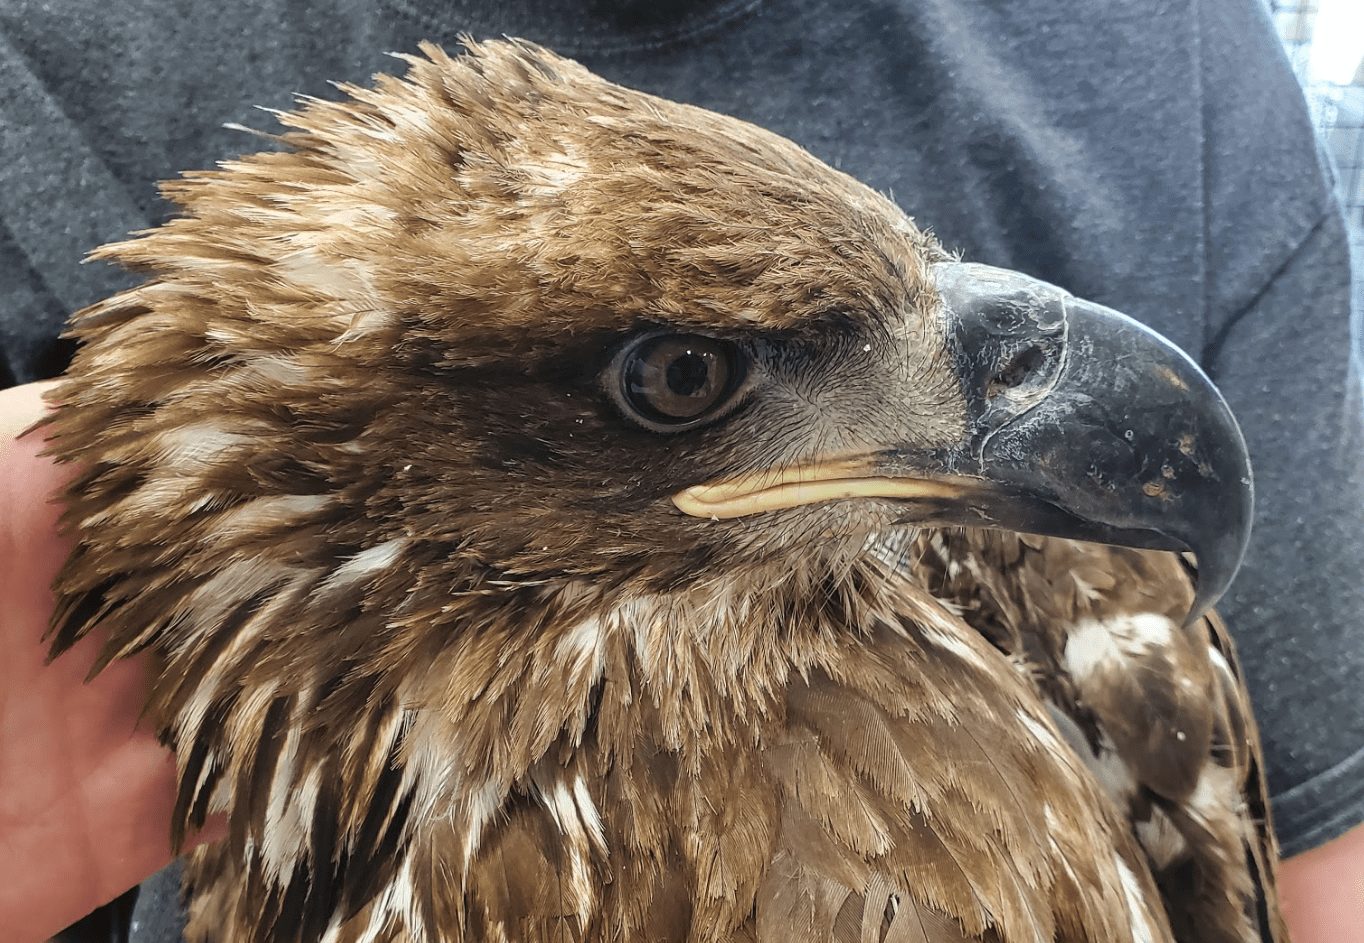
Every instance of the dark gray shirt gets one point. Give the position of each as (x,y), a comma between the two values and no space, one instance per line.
(1155,157)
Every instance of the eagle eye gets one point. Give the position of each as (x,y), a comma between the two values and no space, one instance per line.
(670,382)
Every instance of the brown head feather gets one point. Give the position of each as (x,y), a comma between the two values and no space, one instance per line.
(433,637)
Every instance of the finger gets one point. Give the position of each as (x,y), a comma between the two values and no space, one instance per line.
(89,795)
(21,407)
(28,481)
(31,550)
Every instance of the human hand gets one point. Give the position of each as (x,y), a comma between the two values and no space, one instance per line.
(85,794)
(1323,891)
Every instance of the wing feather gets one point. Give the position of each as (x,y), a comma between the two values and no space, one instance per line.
(1159,712)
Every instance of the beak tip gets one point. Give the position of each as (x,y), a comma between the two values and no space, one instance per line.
(1219,559)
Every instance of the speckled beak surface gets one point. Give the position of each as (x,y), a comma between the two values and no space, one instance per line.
(1082,423)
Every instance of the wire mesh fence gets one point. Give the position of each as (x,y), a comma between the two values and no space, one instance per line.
(1324,40)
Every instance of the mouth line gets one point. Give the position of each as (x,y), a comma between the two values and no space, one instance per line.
(810,483)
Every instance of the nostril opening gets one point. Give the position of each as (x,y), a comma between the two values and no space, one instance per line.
(1017,370)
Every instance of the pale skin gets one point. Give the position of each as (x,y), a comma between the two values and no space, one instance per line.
(87,794)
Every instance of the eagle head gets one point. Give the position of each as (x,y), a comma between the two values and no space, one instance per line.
(509,310)
(487,349)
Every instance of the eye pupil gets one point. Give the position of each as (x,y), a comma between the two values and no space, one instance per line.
(675,381)
(687,374)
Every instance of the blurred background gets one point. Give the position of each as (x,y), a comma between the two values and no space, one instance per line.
(1324,40)
(1325,43)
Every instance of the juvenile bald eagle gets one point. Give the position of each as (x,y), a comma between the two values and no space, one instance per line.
(562,514)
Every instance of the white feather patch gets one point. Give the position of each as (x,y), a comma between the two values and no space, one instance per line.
(943,636)
(573,811)
(366,562)
(277,511)
(1137,916)
(393,911)
(581,646)
(548,174)
(307,269)
(1094,644)
(483,804)
(1163,843)
(1040,732)
(283,832)
(196,445)
(1216,793)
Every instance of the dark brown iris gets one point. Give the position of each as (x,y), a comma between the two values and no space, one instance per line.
(677,380)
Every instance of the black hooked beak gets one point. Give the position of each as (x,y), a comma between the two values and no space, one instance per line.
(1080,423)
(1088,425)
